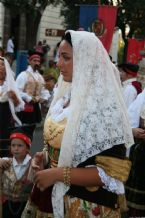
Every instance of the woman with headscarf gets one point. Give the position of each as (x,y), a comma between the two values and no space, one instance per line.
(135,185)
(86,133)
(10,101)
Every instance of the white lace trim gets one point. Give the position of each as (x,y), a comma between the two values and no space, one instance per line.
(111,184)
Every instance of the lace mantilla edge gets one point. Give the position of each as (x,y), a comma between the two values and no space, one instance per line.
(111,184)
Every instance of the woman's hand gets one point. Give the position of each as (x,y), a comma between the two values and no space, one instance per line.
(138,133)
(12,95)
(5,163)
(48,177)
(37,162)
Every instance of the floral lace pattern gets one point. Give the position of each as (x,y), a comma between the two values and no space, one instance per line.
(111,184)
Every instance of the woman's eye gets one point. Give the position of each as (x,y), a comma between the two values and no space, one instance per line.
(66,58)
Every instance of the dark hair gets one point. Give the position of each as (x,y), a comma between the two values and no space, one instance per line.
(2,51)
(51,63)
(49,77)
(67,37)
(9,54)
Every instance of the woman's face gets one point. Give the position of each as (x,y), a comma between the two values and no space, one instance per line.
(2,70)
(65,62)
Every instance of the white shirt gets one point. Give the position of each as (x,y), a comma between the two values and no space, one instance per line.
(135,110)
(129,91)
(22,79)
(10,46)
(20,168)
(3,93)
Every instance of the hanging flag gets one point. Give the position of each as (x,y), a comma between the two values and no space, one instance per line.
(99,19)
(134,50)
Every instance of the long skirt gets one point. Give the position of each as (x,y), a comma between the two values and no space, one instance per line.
(13,209)
(6,123)
(39,206)
(135,186)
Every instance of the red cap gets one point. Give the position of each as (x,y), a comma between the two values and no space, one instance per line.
(34,56)
(21,136)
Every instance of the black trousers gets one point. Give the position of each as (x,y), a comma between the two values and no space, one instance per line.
(13,209)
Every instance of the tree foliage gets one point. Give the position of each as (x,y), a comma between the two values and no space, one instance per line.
(33,10)
(28,6)
(132,14)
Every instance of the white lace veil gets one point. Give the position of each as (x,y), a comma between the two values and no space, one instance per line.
(11,85)
(98,118)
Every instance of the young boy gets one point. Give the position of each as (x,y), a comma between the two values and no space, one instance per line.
(15,185)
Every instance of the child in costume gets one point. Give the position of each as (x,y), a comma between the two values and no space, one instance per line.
(15,185)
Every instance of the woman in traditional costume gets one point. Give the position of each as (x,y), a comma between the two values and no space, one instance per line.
(10,102)
(82,167)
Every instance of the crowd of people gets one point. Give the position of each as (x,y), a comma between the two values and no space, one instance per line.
(94,130)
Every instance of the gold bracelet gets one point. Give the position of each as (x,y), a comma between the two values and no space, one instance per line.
(67,176)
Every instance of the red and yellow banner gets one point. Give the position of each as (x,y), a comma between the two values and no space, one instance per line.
(99,19)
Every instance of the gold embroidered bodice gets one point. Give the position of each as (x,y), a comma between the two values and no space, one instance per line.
(15,189)
(53,134)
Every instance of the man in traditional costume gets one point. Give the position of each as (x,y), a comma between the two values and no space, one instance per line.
(131,87)
(31,86)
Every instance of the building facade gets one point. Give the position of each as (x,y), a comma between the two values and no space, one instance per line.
(50,28)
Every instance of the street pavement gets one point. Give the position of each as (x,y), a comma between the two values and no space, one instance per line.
(37,143)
